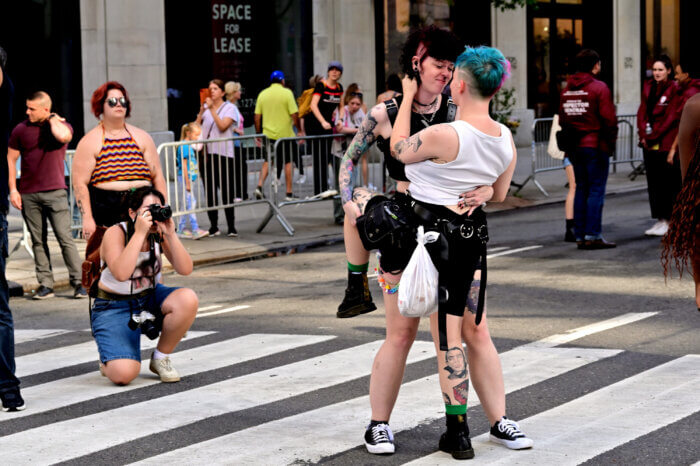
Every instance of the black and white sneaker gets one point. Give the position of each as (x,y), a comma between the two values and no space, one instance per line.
(379,439)
(508,433)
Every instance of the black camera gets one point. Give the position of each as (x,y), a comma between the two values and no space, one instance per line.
(147,322)
(160,213)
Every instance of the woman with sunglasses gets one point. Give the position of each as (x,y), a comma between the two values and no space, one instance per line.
(112,159)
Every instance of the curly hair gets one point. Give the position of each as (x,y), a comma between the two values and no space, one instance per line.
(439,44)
(681,240)
(97,102)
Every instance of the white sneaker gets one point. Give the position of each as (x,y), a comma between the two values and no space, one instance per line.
(659,229)
(164,369)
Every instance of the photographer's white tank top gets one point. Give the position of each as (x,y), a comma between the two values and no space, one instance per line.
(481,159)
(141,278)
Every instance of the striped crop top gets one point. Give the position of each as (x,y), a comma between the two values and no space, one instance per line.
(120,160)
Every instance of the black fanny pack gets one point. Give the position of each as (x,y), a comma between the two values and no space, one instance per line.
(385,223)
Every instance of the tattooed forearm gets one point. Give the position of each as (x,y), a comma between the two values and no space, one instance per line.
(361,142)
(361,196)
(80,207)
(405,145)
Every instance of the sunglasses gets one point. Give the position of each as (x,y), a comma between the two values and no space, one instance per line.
(356,94)
(113,101)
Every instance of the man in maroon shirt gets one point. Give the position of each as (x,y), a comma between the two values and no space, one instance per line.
(41,141)
(587,113)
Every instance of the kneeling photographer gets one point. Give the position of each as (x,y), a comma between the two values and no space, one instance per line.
(131,299)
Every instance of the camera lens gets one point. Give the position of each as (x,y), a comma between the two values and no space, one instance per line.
(149,329)
(133,325)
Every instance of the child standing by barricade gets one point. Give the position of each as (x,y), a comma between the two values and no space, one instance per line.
(187,176)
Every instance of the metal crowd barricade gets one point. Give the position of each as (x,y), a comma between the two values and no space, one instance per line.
(221,174)
(315,163)
(625,150)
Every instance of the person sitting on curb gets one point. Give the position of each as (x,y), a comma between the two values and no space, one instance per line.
(131,299)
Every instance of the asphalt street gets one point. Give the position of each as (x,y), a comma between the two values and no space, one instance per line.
(601,359)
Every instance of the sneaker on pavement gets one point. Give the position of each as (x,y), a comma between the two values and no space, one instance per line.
(233,232)
(658,229)
(164,369)
(79,292)
(379,439)
(199,234)
(214,232)
(290,198)
(508,433)
(12,400)
(187,234)
(43,292)
(258,193)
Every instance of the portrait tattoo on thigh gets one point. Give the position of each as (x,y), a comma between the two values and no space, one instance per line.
(461,392)
(473,296)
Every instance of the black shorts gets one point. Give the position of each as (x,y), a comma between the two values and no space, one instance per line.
(455,256)
(395,258)
(287,152)
(107,206)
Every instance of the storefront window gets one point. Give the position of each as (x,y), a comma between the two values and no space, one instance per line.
(662,19)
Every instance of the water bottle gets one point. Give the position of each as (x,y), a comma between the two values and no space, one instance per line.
(648,128)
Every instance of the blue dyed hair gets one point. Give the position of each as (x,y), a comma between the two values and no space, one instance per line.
(487,66)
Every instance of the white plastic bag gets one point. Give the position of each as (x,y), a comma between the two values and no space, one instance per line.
(552,147)
(418,291)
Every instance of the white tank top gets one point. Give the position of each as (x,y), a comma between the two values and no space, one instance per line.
(140,280)
(480,161)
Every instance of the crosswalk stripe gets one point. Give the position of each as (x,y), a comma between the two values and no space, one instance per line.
(600,421)
(298,439)
(65,440)
(84,387)
(513,251)
(586,330)
(72,355)
(223,311)
(24,336)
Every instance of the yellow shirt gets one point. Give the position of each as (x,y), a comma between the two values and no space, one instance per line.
(276,104)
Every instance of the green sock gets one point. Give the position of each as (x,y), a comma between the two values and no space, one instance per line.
(455,409)
(358,268)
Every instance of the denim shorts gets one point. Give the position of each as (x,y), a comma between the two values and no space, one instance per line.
(109,320)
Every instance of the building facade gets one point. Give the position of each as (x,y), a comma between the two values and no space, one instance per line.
(165,51)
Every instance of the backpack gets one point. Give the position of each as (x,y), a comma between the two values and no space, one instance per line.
(304,102)
(92,267)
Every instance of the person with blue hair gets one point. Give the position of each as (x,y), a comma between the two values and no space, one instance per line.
(442,162)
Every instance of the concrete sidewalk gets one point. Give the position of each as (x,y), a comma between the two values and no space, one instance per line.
(313,224)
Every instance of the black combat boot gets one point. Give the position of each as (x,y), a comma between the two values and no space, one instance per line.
(358,299)
(570,236)
(456,440)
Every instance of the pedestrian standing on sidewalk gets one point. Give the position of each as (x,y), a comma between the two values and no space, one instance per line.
(188,180)
(587,115)
(657,125)
(9,383)
(110,160)
(41,141)
(233,95)
(217,166)
(326,100)
(276,116)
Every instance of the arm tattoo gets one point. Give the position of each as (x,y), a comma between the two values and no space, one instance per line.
(80,207)
(403,146)
(447,398)
(362,141)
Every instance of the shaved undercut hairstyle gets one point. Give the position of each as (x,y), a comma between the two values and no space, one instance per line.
(42,97)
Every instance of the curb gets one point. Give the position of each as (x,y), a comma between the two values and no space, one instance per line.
(295,246)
